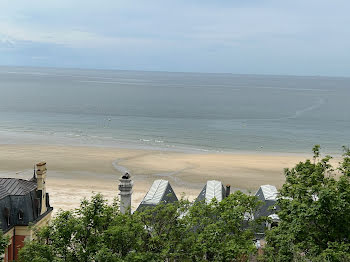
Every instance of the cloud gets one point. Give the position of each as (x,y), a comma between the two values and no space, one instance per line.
(263,36)
(6,42)
(69,38)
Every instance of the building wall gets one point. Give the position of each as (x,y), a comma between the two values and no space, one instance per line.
(19,234)
(9,249)
(16,203)
(19,243)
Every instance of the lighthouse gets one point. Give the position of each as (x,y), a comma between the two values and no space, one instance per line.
(125,192)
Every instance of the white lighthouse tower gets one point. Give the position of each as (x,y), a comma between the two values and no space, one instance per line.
(125,192)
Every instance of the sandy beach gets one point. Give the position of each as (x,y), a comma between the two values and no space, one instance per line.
(76,172)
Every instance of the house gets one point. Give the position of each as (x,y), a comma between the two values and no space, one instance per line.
(23,203)
(160,191)
(213,189)
(268,195)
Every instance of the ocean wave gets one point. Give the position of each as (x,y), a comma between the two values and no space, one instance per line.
(320,102)
(296,114)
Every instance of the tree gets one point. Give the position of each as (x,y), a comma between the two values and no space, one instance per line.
(38,252)
(4,242)
(73,235)
(180,231)
(314,225)
(315,213)
(222,231)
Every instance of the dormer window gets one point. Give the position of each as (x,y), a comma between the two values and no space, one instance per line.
(7,215)
(20,215)
(37,206)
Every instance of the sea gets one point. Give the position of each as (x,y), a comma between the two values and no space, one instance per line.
(192,112)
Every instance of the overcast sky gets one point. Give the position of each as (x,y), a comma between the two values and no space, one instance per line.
(294,37)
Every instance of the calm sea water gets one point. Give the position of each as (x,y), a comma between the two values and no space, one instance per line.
(180,111)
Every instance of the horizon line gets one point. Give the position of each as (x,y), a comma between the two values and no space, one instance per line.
(173,72)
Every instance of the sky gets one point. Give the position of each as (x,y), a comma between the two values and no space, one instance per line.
(279,37)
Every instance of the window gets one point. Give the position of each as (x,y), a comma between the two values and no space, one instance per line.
(20,215)
(274,224)
(7,215)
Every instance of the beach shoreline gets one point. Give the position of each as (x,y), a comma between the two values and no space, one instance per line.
(75,172)
(49,138)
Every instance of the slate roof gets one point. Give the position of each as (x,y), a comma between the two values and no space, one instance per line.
(156,192)
(213,188)
(160,191)
(268,192)
(15,187)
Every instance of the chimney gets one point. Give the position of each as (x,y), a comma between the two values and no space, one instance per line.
(125,192)
(41,185)
(228,189)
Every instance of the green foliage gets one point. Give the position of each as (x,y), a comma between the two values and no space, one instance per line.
(4,242)
(180,231)
(314,207)
(316,150)
(218,231)
(37,252)
(315,213)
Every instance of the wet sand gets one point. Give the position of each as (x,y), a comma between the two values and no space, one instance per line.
(75,172)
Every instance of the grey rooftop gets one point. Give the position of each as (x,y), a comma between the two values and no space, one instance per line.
(15,187)
(160,191)
(212,188)
(267,192)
